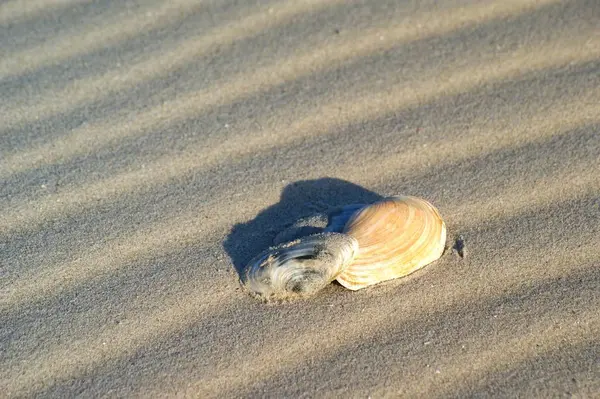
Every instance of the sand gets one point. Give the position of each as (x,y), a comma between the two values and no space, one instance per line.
(149,149)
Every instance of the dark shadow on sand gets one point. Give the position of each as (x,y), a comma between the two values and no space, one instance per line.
(298,199)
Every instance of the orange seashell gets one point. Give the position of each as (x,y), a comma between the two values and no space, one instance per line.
(396,237)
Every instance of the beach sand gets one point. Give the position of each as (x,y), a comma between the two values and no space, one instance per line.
(149,149)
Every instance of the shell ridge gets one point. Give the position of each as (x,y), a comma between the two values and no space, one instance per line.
(301,267)
(415,238)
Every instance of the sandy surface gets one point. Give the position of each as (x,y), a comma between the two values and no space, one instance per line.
(150,148)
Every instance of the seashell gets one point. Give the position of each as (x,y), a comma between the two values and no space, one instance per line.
(396,237)
(301,267)
(361,245)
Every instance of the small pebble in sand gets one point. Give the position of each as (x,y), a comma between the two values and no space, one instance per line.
(459,247)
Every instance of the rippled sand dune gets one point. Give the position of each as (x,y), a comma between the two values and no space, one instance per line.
(149,149)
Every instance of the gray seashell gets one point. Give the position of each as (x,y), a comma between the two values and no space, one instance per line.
(301,267)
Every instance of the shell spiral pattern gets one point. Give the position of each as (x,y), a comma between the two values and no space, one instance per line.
(300,267)
(362,245)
